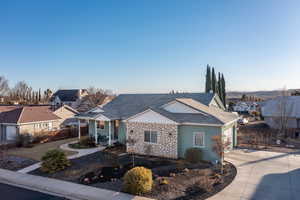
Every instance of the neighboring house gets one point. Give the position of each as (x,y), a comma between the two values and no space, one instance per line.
(246,107)
(71,97)
(32,120)
(276,110)
(164,125)
(66,115)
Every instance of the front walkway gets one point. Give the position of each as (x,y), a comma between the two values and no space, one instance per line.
(62,188)
(263,175)
(80,152)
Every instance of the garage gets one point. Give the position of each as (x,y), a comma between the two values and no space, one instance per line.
(11,132)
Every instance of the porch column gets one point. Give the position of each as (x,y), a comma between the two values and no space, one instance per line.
(79,131)
(96,133)
(109,133)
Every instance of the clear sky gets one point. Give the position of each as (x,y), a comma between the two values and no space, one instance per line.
(150,45)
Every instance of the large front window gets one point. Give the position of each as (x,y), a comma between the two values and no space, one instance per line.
(150,136)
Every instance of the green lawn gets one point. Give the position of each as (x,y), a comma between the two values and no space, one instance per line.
(39,150)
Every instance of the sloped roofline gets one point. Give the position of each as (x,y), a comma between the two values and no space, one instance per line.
(147,110)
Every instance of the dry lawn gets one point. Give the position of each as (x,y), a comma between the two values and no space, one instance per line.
(39,150)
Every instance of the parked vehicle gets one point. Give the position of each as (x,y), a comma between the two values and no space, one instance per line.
(243,121)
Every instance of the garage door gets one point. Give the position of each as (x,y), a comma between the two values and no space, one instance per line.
(11,132)
(228,137)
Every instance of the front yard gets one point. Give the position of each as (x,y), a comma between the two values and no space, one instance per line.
(38,150)
(19,158)
(172,179)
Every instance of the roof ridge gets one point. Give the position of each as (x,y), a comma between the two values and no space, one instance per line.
(22,110)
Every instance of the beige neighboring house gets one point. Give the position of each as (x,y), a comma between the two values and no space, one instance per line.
(67,115)
(32,120)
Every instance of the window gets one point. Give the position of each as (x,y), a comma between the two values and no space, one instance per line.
(150,136)
(199,139)
(100,124)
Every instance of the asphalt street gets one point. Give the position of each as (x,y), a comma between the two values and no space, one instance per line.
(8,192)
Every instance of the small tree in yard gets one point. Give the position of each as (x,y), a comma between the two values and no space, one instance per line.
(131,142)
(219,147)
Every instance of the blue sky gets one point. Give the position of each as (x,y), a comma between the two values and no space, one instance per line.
(150,46)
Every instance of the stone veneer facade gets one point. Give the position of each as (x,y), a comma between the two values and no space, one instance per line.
(166,139)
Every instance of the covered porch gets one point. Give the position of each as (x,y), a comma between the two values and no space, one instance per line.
(102,129)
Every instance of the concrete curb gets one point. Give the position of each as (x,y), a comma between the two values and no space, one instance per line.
(62,188)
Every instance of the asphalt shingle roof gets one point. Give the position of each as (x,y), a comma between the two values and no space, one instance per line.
(128,105)
(26,114)
(66,95)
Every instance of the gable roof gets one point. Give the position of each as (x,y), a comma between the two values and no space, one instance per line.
(66,95)
(26,114)
(290,105)
(127,105)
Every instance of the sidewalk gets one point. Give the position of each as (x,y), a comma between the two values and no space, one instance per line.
(80,152)
(62,188)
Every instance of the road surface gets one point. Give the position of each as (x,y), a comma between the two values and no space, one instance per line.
(8,192)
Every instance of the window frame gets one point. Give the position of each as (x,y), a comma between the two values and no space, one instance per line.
(150,134)
(203,138)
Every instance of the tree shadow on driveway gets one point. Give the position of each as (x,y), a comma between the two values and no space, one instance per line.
(281,186)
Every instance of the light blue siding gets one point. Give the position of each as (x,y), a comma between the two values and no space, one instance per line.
(185,140)
(122,133)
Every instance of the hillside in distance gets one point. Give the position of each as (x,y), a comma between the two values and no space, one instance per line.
(261,94)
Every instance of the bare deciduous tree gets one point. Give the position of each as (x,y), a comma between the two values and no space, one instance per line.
(95,97)
(219,147)
(284,110)
(131,143)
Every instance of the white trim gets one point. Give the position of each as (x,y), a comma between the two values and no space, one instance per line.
(20,115)
(141,113)
(200,124)
(228,123)
(102,118)
(109,133)
(218,101)
(180,107)
(194,135)
(94,118)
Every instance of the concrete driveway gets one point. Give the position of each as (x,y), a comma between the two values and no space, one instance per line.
(263,175)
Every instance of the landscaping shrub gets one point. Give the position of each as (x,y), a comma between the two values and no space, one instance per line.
(88,142)
(193,155)
(54,161)
(138,181)
(84,143)
(24,140)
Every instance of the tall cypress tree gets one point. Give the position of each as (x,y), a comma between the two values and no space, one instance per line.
(208,85)
(223,89)
(220,87)
(214,81)
(40,96)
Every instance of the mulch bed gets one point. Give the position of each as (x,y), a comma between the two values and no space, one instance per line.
(184,181)
(15,163)
(195,184)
